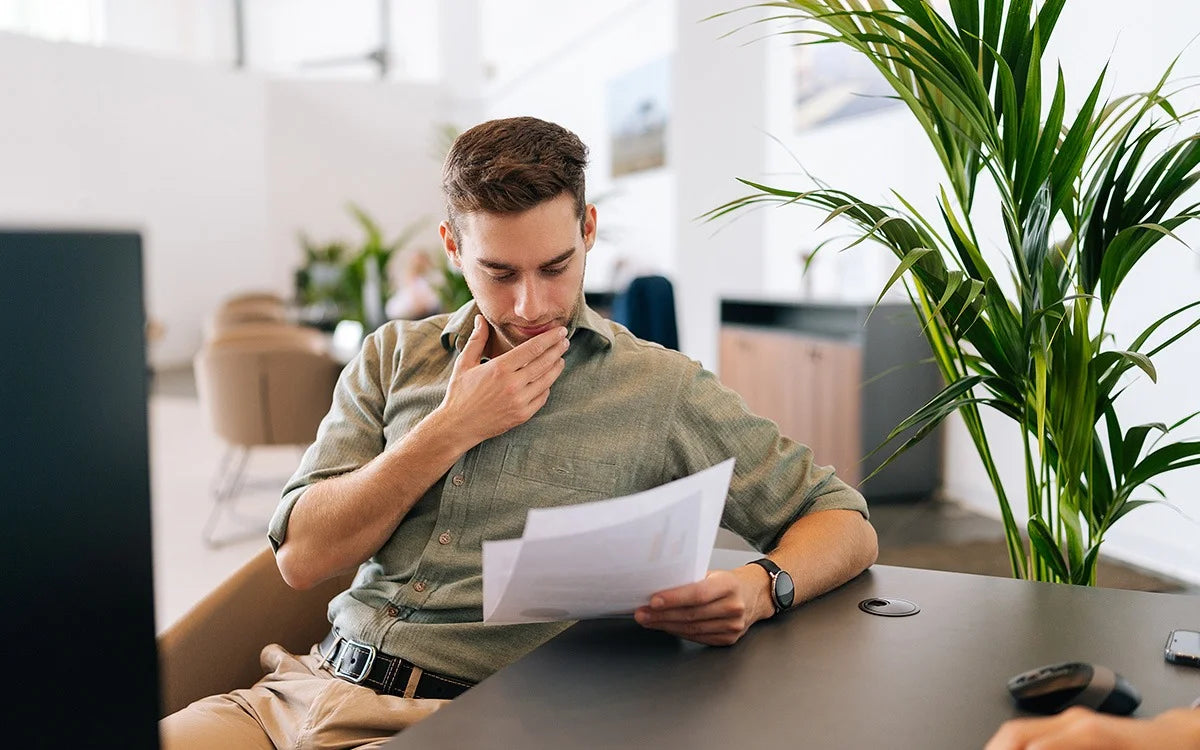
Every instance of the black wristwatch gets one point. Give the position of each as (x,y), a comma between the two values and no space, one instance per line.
(783,591)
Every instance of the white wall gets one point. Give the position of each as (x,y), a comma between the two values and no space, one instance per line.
(564,77)
(331,142)
(98,137)
(719,105)
(193,30)
(218,169)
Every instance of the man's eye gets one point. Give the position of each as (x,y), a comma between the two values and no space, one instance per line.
(555,271)
(503,277)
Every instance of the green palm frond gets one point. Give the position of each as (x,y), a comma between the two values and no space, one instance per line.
(1082,197)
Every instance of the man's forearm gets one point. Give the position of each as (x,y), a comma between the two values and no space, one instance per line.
(340,522)
(823,550)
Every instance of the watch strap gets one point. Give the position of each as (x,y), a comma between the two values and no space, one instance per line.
(773,572)
(768,565)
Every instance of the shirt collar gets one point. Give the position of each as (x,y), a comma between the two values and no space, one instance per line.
(458,327)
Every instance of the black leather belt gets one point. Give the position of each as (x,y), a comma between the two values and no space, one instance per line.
(363,664)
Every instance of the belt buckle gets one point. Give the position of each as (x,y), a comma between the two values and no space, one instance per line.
(366,669)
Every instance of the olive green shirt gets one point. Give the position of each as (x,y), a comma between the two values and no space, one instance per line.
(625,415)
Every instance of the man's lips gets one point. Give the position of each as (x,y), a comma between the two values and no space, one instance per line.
(534,331)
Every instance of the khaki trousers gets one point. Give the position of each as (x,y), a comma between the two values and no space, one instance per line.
(299,704)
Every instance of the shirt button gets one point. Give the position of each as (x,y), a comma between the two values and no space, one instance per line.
(419,586)
(444,538)
(458,480)
(392,611)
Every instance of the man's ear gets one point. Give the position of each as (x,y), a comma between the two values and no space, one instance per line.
(589,226)
(449,244)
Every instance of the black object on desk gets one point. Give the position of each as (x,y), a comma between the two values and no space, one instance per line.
(823,675)
(78,599)
(1056,687)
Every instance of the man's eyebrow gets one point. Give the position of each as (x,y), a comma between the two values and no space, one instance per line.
(498,266)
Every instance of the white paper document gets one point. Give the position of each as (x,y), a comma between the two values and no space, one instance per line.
(605,559)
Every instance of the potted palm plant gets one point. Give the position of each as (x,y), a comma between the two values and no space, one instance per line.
(1082,198)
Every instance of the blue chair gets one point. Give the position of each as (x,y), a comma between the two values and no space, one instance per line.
(647,308)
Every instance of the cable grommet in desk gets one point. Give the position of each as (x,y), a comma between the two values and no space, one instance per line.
(888,607)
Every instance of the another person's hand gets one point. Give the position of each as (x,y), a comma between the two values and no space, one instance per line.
(486,399)
(716,611)
(1082,729)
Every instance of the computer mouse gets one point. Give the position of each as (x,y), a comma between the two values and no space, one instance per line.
(1055,687)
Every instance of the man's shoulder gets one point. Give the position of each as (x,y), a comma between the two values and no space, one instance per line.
(403,334)
(643,353)
(400,345)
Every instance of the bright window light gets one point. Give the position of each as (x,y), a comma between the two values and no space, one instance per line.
(79,21)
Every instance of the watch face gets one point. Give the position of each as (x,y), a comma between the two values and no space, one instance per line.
(785,590)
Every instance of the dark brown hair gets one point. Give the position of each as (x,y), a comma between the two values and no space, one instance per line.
(510,165)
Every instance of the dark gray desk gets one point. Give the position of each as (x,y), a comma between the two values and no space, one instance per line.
(826,675)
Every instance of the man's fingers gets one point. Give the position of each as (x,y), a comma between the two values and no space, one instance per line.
(720,609)
(539,389)
(1017,734)
(1014,734)
(473,351)
(547,359)
(530,350)
(723,631)
(709,589)
(545,375)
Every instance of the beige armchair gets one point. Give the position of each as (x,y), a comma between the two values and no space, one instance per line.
(303,337)
(240,312)
(260,385)
(254,296)
(214,647)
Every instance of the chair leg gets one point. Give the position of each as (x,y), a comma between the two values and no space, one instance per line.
(226,486)
(218,481)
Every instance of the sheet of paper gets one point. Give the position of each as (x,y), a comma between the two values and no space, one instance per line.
(605,559)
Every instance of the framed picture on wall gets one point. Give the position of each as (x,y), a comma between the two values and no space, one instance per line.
(833,82)
(638,113)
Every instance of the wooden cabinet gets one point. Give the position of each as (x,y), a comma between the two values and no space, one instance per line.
(838,381)
(805,385)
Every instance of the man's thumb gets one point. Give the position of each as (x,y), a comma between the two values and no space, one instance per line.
(473,351)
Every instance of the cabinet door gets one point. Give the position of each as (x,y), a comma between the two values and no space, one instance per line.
(760,365)
(808,386)
(833,377)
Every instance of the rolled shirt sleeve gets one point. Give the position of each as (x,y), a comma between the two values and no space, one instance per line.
(350,435)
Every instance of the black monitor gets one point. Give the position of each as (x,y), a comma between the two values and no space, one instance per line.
(78,618)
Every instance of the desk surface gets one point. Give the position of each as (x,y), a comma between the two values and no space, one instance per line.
(826,675)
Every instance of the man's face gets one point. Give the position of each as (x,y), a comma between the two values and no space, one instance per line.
(525,270)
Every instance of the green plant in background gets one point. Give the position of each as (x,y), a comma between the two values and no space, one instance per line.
(351,281)
(452,292)
(368,270)
(1082,199)
(319,279)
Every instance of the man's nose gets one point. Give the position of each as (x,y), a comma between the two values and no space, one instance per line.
(530,304)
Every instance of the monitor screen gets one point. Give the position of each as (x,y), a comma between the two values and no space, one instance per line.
(75,492)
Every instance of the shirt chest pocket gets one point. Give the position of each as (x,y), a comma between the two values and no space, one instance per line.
(539,479)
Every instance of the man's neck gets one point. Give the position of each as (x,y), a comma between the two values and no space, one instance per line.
(495,345)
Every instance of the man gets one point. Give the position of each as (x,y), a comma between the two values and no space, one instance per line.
(445,431)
